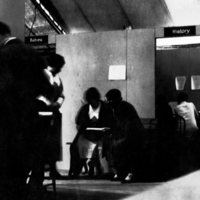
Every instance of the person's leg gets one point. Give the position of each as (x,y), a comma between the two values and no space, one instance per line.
(85,166)
(91,168)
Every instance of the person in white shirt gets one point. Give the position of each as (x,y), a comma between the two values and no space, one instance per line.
(188,111)
(188,146)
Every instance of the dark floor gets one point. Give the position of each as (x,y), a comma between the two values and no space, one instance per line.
(183,188)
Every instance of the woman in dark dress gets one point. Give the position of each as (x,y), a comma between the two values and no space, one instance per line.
(88,144)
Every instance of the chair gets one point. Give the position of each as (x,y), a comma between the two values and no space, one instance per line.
(49,174)
(75,163)
(180,125)
(70,173)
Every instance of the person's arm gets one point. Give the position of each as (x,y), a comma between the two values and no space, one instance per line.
(48,75)
(59,101)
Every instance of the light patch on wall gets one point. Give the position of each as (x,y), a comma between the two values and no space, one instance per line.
(117,72)
(180,82)
(184,12)
(177,42)
(195,82)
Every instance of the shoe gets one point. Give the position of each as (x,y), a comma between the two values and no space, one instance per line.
(128,179)
(115,178)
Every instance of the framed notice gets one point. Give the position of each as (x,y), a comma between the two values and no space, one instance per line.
(117,72)
(195,82)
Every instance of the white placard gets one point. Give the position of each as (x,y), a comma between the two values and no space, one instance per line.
(180,82)
(195,82)
(117,72)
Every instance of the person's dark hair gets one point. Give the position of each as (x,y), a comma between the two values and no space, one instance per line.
(4,29)
(114,95)
(92,94)
(56,61)
(182,97)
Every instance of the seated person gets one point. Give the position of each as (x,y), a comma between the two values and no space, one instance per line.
(88,144)
(188,111)
(189,145)
(127,138)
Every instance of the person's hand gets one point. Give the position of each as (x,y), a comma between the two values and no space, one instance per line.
(54,106)
(105,129)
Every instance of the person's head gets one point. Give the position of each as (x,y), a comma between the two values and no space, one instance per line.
(4,31)
(113,95)
(182,97)
(55,62)
(92,96)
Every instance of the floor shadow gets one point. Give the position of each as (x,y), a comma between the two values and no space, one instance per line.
(98,189)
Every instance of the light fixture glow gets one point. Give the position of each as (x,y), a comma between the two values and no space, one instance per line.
(50,17)
(178,41)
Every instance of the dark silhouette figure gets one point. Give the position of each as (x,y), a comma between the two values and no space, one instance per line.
(55,100)
(21,81)
(127,138)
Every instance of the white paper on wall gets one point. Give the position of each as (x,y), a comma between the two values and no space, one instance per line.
(117,72)
(195,82)
(180,82)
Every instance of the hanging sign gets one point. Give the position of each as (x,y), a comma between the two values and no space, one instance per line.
(37,39)
(180,31)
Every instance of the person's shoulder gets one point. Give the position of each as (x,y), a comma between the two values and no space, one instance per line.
(127,104)
(85,106)
(16,45)
(191,105)
(14,40)
(127,107)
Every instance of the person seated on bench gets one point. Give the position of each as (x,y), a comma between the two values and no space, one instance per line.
(127,139)
(188,111)
(93,120)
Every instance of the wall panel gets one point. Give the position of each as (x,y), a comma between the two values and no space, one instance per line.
(88,57)
(141,71)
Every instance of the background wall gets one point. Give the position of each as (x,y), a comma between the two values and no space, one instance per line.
(141,71)
(88,57)
(12,12)
(179,62)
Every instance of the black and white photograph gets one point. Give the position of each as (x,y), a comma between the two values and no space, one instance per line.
(99,100)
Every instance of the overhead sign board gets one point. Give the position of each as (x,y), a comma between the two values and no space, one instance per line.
(37,39)
(180,31)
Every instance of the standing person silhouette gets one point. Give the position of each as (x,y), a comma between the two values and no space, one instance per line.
(21,80)
(50,126)
(56,98)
